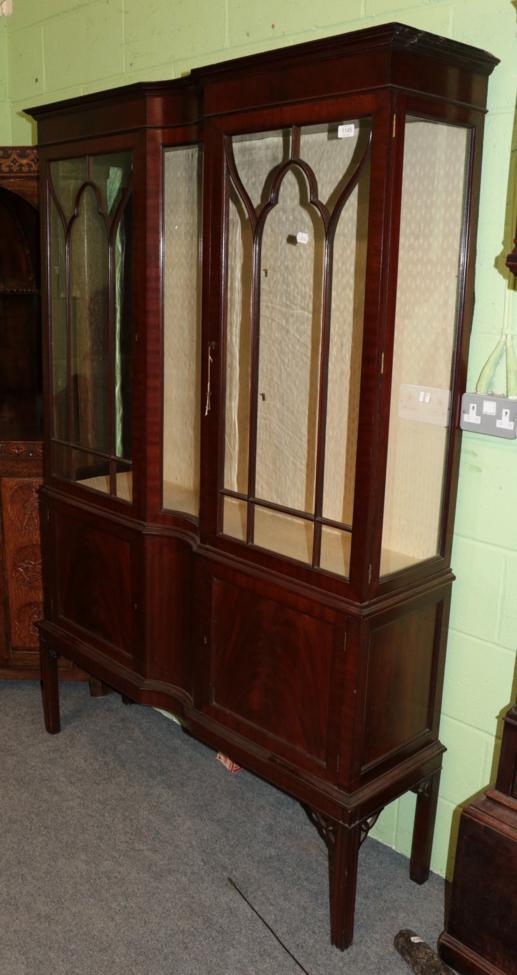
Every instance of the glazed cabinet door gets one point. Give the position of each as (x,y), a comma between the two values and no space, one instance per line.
(89,214)
(295,208)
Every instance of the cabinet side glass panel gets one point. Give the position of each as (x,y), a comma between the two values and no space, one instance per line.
(91,332)
(428,291)
(89,270)
(345,351)
(123,353)
(296,261)
(181,327)
(58,320)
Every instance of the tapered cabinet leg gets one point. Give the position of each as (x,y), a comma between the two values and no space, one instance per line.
(343,844)
(423,830)
(50,689)
(343,857)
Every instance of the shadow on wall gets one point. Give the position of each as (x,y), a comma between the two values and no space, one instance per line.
(456,816)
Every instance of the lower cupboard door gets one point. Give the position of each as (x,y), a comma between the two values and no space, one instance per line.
(271,667)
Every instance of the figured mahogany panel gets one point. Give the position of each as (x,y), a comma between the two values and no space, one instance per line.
(168,611)
(22,559)
(399,682)
(271,668)
(95,586)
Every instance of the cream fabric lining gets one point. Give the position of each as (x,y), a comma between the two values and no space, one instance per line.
(290,325)
(182,329)
(273,530)
(430,238)
(175,496)
(124,484)
(293,537)
(290,333)
(289,536)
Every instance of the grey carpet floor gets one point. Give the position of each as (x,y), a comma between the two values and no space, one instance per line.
(117,838)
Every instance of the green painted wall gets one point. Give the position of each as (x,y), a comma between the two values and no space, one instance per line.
(61,48)
(5,108)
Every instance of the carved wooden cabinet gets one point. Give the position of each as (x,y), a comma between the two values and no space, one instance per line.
(21,449)
(258,302)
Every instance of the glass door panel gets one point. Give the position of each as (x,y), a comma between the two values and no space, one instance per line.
(58,318)
(345,351)
(256,157)
(429,282)
(290,334)
(333,152)
(91,334)
(111,172)
(335,550)
(296,261)
(123,351)
(283,533)
(181,328)
(89,270)
(68,176)
(235,518)
(238,347)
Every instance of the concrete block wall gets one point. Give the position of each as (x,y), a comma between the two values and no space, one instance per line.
(5,108)
(58,48)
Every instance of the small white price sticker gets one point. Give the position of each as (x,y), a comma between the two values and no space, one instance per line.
(302,237)
(346,130)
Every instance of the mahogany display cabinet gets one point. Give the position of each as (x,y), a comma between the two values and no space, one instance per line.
(258,301)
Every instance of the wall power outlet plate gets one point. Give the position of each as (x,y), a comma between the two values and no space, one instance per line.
(424,404)
(495,416)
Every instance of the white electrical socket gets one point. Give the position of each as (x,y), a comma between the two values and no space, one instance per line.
(425,404)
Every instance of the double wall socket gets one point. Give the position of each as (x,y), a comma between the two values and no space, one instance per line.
(493,415)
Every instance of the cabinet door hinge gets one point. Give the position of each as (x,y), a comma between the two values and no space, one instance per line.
(394,127)
(370,572)
(382,363)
